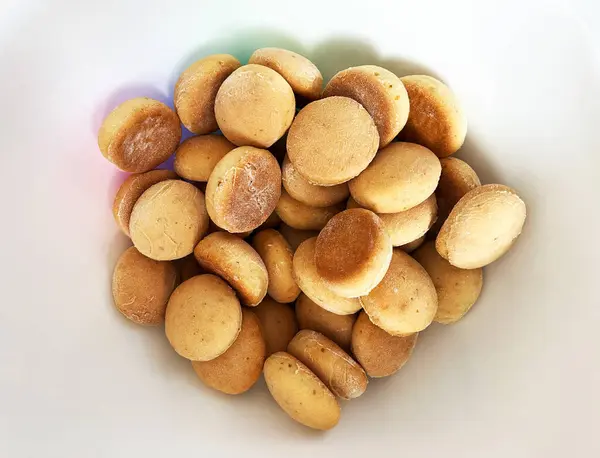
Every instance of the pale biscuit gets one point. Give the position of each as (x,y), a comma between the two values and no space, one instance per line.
(197,156)
(304,217)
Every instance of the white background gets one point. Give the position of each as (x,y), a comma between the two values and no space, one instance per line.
(519,377)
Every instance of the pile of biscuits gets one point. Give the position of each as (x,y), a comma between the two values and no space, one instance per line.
(269,205)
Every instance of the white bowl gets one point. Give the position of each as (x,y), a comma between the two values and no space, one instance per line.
(518,377)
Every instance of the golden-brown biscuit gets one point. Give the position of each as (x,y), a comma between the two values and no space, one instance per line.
(304,217)
(405,301)
(131,190)
(203,318)
(243,189)
(196,90)
(401,177)
(303,191)
(311,283)
(278,324)
(188,268)
(412,246)
(277,255)
(457,289)
(139,134)
(295,236)
(312,316)
(302,75)
(141,287)
(407,226)
(236,261)
(378,90)
(379,353)
(340,373)
(239,368)
(197,156)
(168,220)
(353,252)
(457,179)
(482,226)
(332,140)
(436,119)
(300,393)
(255,106)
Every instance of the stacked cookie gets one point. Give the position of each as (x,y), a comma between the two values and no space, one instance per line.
(330,208)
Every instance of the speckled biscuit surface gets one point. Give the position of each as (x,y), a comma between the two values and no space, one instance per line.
(436,119)
(300,393)
(131,190)
(168,220)
(379,353)
(203,318)
(302,75)
(401,176)
(243,189)
(239,368)
(277,255)
(332,140)
(311,283)
(336,368)
(139,134)
(312,316)
(197,156)
(405,301)
(196,91)
(141,287)
(255,106)
(236,261)
(353,252)
(303,191)
(378,90)
(482,226)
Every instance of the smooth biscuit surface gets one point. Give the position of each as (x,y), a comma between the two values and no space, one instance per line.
(278,324)
(304,217)
(197,156)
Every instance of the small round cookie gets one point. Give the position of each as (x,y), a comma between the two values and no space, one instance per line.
(300,393)
(255,106)
(131,190)
(197,156)
(436,119)
(139,134)
(196,90)
(353,252)
(188,267)
(340,373)
(243,189)
(337,327)
(405,301)
(239,368)
(412,246)
(302,75)
(168,220)
(407,226)
(303,191)
(326,134)
(203,318)
(311,283)
(277,255)
(295,236)
(401,177)
(482,226)
(457,289)
(378,90)
(379,353)
(304,217)
(235,260)
(278,324)
(457,179)
(141,287)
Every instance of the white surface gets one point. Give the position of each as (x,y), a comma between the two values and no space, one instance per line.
(518,377)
